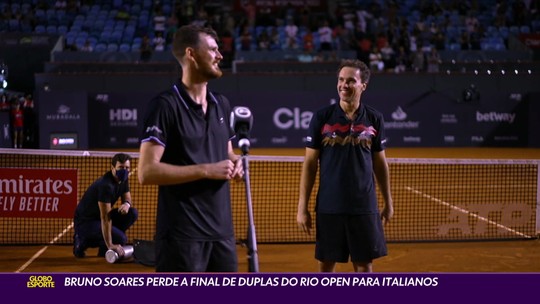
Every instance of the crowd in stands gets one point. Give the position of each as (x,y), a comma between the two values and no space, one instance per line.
(390,35)
(22,117)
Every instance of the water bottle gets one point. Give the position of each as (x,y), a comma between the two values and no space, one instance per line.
(112,256)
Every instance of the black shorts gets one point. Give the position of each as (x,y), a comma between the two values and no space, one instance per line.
(196,256)
(359,236)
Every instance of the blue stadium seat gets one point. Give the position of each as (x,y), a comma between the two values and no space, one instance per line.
(535,24)
(116,37)
(40,29)
(525,29)
(100,47)
(62,29)
(80,41)
(51,29)
(105,37)
(124,47)
(514,30)
(112,47)
(135,47)
(504,32)
(14,25)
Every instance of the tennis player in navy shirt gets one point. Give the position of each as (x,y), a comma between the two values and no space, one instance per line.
(186,149)
(347,141)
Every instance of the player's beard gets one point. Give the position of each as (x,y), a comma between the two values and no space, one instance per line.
(211,71)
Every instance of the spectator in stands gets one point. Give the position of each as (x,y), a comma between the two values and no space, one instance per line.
(263,41)
(433,61)
(246,39)
(418,60)
(251,12)
(308,43)
(402,60)
(227,47)
(471,22)
(202,18)
(365,45)
(158,42)
(145,49)
(159,21)
(388,57)
(96,222)
(520,15)
(60,4)
(4,103)
(275,43)
(30,122)
(291,34)
(376,62)
(87,47)
(17,123)
(347,141)
(325,36)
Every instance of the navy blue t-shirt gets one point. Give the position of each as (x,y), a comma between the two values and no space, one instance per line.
(198,210)
(106,190)
(346,184)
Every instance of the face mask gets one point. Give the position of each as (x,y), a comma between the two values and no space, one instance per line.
(122,175)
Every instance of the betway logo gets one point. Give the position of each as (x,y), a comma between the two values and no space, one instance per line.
(495,117)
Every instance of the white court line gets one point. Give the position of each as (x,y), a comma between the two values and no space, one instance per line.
(481,218)
(35,256)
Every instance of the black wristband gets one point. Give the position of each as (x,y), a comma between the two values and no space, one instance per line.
(127,202)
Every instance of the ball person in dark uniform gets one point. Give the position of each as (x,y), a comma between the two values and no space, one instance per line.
(347,141)
(186,149)
(97,223)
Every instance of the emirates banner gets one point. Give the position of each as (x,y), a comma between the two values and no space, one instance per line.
(38,193)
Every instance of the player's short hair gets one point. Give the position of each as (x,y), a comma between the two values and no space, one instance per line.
(188,36)
(121,158)
(365,72)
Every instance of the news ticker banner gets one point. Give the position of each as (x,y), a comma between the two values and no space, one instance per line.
(281,119)
(269,287)
(33,193)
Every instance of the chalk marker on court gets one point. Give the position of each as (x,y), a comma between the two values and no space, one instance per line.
(54,240)
(481,218)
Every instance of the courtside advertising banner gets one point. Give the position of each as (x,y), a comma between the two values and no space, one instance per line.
(62,112)
(38,193)
(116,118)
(281,120)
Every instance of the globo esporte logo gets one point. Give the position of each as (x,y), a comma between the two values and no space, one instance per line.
(40,281)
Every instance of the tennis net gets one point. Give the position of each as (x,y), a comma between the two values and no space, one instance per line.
(434,199)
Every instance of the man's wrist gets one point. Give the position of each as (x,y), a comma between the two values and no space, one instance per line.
(127,202)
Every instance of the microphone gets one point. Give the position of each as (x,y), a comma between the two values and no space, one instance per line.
(241,123)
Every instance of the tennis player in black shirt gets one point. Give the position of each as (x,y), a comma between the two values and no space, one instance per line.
(186,149)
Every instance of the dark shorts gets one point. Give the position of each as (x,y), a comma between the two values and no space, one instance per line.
(359,236)
(196,256)
(90,232)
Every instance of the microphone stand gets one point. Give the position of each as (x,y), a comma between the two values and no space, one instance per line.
(253,258)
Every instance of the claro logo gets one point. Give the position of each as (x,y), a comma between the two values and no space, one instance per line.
(285,118)
(35,186)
